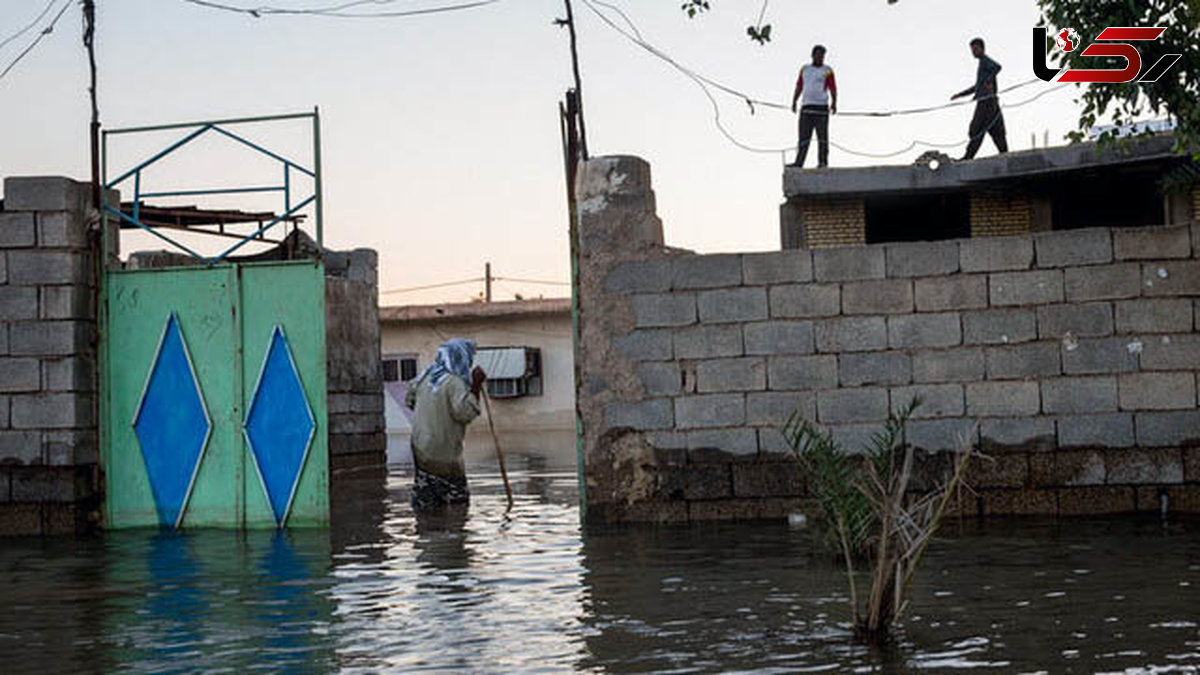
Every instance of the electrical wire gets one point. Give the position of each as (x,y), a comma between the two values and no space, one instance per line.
(339,11)
(45,31)
(532,281)
(446,284)
(27,28)
(704,83)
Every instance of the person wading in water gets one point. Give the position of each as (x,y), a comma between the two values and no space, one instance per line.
(445,400)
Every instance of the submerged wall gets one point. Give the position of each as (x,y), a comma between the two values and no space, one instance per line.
(1075,352)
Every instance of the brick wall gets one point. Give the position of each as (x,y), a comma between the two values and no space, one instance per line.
(1075,352)
(998,214)
(48,437)
(834,222)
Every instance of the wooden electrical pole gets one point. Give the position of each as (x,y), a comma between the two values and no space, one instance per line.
(89,41)
(487,282)
(583,150)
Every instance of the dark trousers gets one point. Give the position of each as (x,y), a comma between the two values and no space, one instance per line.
(987,120)
(814,117)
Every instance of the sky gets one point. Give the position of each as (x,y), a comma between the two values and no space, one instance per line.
(440,138)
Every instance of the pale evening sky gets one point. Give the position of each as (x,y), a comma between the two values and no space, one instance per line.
(441,141)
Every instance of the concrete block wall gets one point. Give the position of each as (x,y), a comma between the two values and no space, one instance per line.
(1071,358)
(357,434)
(49,447)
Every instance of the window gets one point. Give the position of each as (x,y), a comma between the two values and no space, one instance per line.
(917,217)
(512,371)
(408,369)
(399,368)
(391,370)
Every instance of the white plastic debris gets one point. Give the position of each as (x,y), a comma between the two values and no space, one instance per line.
(1070,342)
(1134,347)
(797,520)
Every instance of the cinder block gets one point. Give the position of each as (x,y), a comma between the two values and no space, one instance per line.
(922,259)
(53,411)
(1146,315)
(1017,434)
(772,444)
(806,300)
(1168,429)
(732,305)
(18,303)
(779,337)
(710,445)
(924,330)
(1108,282)
(1142,466)
(882,296)
(1026,288)
(1157,391)
(849,263)
(67,302)
(778,267)
(707,271)
(4,407)
(45,193)
(1191,464)
(1095,500)
(1010,470)
(661,310)
(710,410)
(774,409)
(701,481)
(17,230)
(640,276)
(948,293)
(741,374)
(1002,399)
(874,368)
(1073,395)
(777,479)
(34,267)
(852,405)
(1018,502)
(854,439)
(1038,359)
(1151,243)
(1081,320)
(75,447)
(937,400)
(645,345)
(705,342)
(1112,430)
(1171,352)
(19,375)
(944,434)
(3,267)
(655,413)
(996,254)
(948,365)
(999,327)
(790,373)
(1101,355)
(20,447)
(851,334)
(1060,248)
(50,338)
(1068,467)
(660,378)
(62,229)
(44,484)
(1178,277)
(4,350)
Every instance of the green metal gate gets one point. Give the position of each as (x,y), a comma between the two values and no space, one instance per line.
(213,375)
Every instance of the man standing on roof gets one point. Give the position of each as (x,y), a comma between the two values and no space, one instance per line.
(988,118)
(817,87)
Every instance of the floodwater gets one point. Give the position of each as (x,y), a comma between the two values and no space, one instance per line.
(526,591)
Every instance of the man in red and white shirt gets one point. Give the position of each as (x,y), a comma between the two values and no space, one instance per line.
(815,89)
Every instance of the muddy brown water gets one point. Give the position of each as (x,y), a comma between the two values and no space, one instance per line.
(528,591)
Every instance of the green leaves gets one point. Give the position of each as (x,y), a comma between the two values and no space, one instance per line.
(694,7)
(760,34)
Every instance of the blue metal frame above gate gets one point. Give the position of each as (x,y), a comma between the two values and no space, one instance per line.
(290,206)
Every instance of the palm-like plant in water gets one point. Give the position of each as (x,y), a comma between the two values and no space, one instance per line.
(872,515)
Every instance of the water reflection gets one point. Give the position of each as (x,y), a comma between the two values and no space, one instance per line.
(480,589)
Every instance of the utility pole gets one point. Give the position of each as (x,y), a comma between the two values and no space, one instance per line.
(487,282)
(89,41)
(570,23)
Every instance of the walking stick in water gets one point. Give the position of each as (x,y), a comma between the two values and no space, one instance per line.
(496,440)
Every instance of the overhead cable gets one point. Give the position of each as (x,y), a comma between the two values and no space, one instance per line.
(45,31)
(29,26)
(340,10)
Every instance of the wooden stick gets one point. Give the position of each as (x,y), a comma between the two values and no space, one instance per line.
(496,440)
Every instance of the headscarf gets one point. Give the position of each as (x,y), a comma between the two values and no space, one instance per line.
(453,358)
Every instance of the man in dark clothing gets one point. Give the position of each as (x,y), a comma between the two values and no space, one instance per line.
(817,87)
(988,118)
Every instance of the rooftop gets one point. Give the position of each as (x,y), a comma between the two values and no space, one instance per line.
(462,311)
(958,175)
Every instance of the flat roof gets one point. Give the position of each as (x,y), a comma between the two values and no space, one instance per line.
(461,311)
(858,181)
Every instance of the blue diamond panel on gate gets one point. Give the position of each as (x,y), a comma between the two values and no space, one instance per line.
(172,424)
(279,425)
